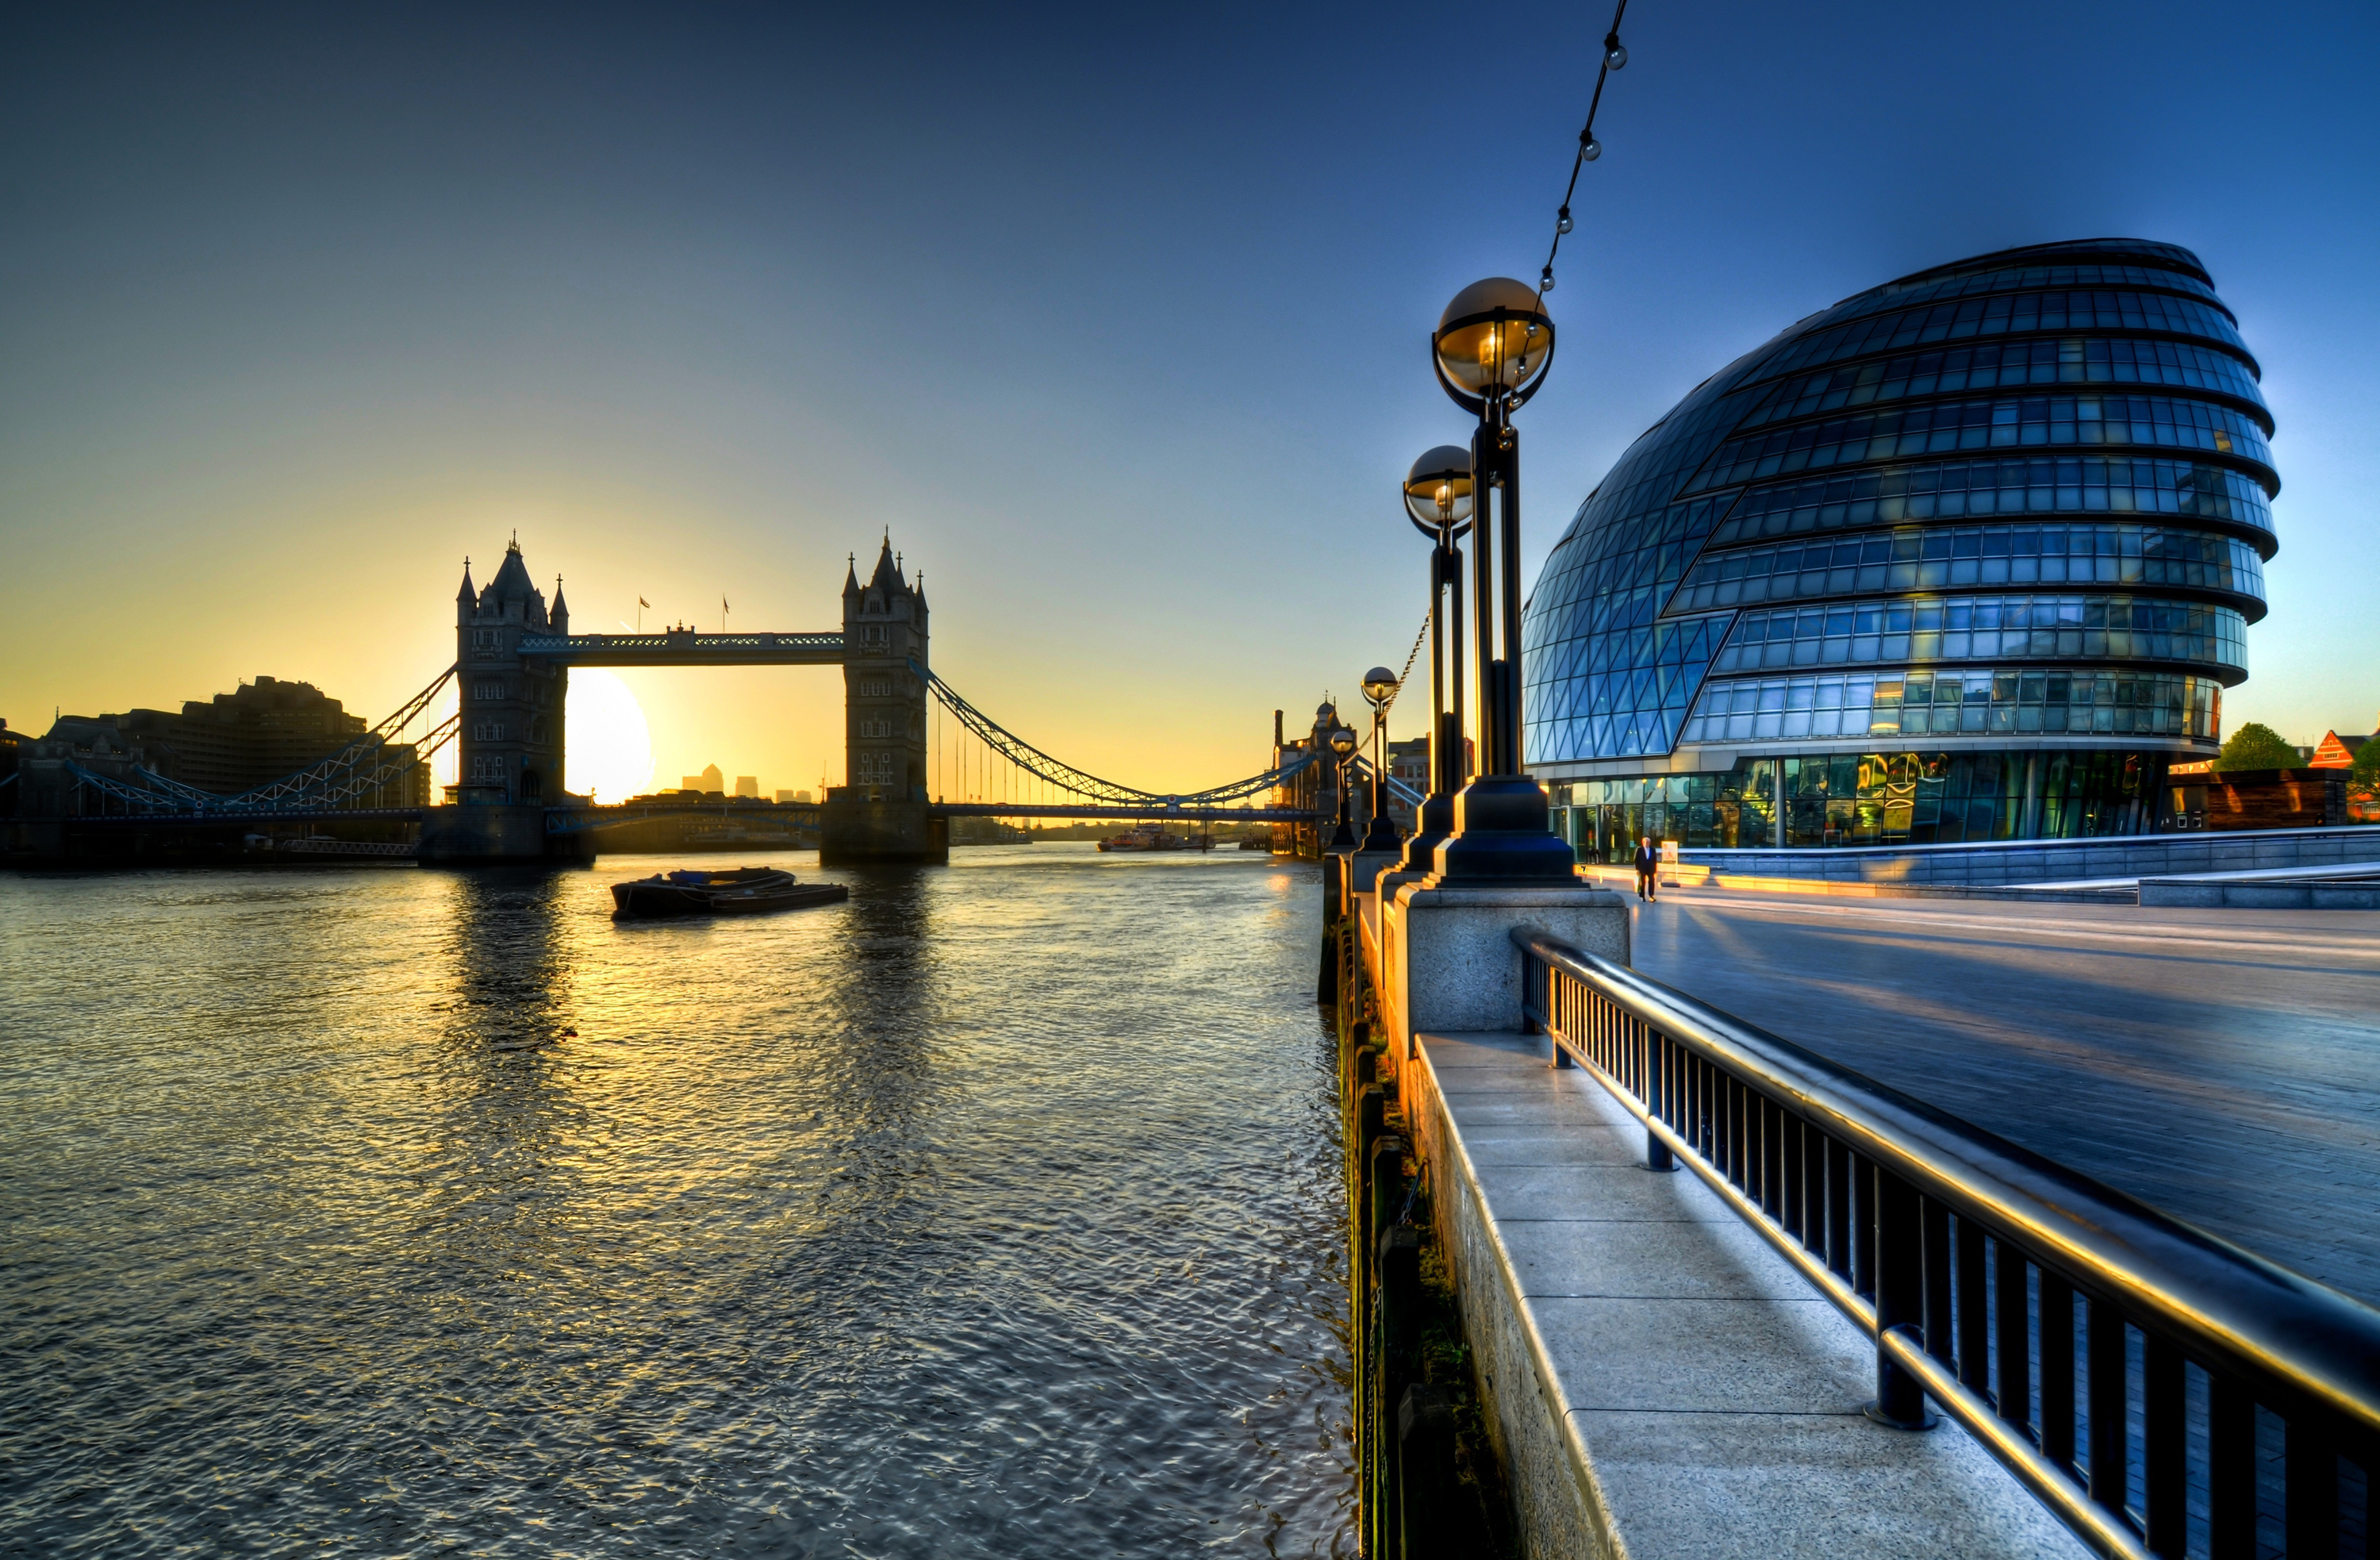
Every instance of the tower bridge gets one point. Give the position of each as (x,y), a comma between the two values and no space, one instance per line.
(513,656)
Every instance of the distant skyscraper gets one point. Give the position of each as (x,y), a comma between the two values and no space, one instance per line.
(1968,556)
(748,785)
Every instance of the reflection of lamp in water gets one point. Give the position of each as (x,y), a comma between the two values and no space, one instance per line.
(1380,687)
(1343,742)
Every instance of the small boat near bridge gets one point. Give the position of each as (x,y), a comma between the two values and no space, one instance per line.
(738,891)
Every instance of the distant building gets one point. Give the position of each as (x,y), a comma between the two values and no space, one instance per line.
(2335,752)
(797,797)
(257,734)
(748,785)
(709,781)
(264,731)
(1409,764)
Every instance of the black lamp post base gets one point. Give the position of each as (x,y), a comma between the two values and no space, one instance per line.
(1503,835)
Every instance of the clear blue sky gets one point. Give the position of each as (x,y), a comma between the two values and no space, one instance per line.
(1116,316)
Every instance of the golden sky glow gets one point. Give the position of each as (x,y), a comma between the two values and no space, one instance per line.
(297,317)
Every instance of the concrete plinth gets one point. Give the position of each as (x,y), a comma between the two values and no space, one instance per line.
(470,834)
(1365,866)
(854,831)
(1456,967)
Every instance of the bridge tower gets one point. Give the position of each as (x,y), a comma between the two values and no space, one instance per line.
(510,743)
(879,813)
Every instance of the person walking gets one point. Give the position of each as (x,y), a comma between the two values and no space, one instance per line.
(1648,867)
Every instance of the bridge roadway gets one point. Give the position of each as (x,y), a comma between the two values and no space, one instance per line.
(2222,1064)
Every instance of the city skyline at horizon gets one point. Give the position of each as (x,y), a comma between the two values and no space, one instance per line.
(301,316)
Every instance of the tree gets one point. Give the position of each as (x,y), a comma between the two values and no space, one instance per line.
(2365,775)
(2255,745)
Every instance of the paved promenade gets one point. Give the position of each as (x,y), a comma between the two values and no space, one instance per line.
(2223,1064)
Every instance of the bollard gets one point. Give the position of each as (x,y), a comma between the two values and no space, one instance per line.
(1426,1499)
(1386,1195)
(1326,985)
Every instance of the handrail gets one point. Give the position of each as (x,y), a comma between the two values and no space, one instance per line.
(1963,1255)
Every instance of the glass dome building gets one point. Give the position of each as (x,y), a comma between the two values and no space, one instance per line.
(1968,556)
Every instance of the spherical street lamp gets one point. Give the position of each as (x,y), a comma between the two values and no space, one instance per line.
(1493,344)
(1343,742)
(1380,687)
(1490,353)
(1439,498)
(1439,489)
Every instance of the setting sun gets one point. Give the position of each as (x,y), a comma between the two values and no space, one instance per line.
(610,750)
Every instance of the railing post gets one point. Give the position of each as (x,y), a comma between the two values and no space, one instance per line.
(1656,1094)
(1900,1300)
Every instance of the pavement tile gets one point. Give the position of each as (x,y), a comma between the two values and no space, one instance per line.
(1646,1259)
(1600,1191)
(1789,1486)
(1552,1144)
(1758,1356)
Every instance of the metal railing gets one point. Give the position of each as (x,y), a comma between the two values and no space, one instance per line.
(2158,1388)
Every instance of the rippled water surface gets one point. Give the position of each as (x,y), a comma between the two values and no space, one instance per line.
(373,1210)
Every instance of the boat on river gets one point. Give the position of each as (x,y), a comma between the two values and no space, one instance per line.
(1152,837)
(739,891)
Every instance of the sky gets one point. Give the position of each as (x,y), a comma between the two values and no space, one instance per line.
(1115,318)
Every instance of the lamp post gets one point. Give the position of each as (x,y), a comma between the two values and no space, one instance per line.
(1343,742)
(1489,351)
(1438,498)
(1380,687)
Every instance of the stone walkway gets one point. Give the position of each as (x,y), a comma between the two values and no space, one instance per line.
(1645,1348)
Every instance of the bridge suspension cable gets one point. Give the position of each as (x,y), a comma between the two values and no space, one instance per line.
(999,742)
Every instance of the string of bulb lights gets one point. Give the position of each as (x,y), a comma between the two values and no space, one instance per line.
(1589,149)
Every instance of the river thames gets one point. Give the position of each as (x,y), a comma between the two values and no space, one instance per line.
(378,1210)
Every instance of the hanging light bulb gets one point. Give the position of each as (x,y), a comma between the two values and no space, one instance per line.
(1589,149)
(1614,57)
(1561,222)
(1545,282)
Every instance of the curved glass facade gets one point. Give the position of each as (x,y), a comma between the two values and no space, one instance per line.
(2024,497)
